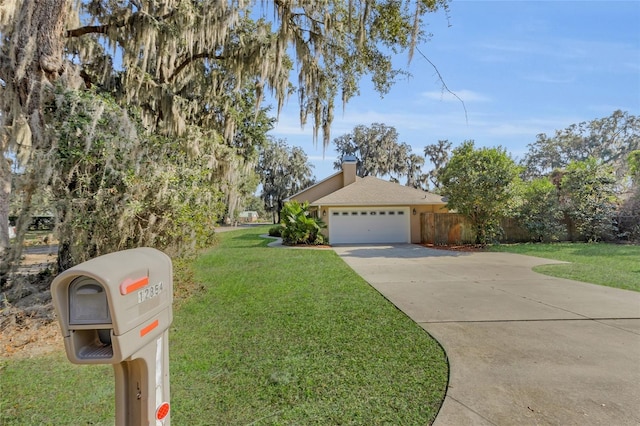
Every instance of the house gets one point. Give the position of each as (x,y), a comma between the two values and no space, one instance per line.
(248,216)
(368,210)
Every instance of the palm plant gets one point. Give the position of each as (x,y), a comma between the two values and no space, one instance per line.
(299,226)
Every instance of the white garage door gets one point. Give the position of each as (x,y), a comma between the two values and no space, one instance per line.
(369,225)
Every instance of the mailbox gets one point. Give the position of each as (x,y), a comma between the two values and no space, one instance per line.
(116,309)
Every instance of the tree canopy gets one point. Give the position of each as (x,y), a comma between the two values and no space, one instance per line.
(587,191)
(478,183)
(438,155)
(540,211)
(376,149)
(609,139)
(178,61)
(592,165)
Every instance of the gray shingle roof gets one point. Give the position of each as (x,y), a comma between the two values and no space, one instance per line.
(371,191)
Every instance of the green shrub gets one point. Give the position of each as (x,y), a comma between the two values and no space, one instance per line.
(540,212)
(275,231)
(298,227)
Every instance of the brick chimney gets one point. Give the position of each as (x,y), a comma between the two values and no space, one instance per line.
(349,164)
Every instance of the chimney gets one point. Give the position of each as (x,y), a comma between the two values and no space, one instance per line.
(349,164)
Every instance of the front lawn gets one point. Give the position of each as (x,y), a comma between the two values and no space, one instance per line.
(613,265)
(265,336)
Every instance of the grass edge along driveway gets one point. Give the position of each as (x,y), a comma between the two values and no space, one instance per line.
(612,265)
(267,336)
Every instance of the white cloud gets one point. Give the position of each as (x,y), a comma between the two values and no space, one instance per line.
(495,125)
(570,53)
(548,78)
(329,159)
(288,125)
(506,46)
(465,95)
(285,126)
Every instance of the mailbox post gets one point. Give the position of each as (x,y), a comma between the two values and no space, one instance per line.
(116,309)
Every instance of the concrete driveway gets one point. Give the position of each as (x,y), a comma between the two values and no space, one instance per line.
(523,348)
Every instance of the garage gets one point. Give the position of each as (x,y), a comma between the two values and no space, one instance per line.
(367,225)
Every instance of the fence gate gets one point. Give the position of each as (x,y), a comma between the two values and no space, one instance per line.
(445,229)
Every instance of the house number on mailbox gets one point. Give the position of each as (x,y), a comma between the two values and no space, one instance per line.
(149,292)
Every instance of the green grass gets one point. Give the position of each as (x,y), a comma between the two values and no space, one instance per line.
(269,336)
(613,265)
(49,390)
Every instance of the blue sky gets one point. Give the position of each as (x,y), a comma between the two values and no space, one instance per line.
(521,68)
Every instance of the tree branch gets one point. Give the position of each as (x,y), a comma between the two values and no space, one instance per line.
(102,29)
(91,29)
(189,59)
(444,85)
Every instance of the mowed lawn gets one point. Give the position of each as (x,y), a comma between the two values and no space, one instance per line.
(261,336)
(613,265)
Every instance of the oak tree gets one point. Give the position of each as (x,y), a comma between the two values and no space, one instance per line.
(376,149)
(609,140)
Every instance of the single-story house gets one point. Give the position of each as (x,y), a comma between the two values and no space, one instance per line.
(368,210)
(248,216)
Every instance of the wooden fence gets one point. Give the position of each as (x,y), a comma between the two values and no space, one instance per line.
(452,229)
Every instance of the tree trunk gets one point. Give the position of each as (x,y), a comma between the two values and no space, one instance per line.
(65,260)
(280,205)
(5,194)
(34,60)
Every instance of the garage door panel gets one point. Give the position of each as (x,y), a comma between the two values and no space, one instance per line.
(371,225)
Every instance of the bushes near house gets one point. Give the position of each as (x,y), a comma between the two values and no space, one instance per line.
(540,212)
(275,231)
(299,226)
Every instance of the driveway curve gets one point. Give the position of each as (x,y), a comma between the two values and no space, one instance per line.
(523,348)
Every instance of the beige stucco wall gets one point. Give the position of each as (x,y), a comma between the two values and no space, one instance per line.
(330,185)
(349,169)
(320,190)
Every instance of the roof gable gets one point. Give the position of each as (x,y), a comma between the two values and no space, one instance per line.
(303,193)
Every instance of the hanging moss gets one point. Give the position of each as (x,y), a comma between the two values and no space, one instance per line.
(116,188)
